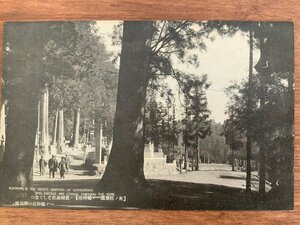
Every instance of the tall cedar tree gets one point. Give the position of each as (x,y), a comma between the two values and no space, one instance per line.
(23,65)
(124,171)
(197,120)
(160,41)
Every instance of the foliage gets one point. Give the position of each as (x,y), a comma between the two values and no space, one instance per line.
(88,81)
(269,122)
(161,126)
(196,121)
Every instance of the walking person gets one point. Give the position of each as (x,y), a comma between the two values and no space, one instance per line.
(52,164)
(42,164)
(68,160)
(62,167)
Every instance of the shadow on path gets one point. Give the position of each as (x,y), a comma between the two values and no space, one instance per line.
(171,195)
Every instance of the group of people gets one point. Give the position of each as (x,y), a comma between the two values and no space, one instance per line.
(53,165)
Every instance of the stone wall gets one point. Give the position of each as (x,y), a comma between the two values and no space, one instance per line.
(158,166)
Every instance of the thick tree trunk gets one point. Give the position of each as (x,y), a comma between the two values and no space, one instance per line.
(249,111)
(125,166)
(76,124)
(22,94)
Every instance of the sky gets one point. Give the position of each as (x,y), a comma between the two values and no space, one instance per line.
(225,60)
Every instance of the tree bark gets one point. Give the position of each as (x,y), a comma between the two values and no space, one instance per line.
(125,166)
(22,94)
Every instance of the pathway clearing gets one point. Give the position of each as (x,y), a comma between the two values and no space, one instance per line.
(217,174)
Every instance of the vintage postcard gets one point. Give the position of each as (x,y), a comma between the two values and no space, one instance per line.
(175,115)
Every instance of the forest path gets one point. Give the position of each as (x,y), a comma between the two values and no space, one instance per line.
(217,174)
(77,171)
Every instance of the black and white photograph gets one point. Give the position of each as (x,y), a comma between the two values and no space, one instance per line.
(172,115)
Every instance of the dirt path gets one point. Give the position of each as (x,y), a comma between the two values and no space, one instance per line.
(216,174)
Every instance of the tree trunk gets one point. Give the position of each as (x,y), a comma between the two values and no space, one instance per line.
(262,144)
(197,157)
(44,119)
(54,140)
(125,166)
(76,124)
(262,171)
(249,111)
(60,131)
(84,139)
(232,160)
(37,138)
(185,163)
(98,134)
(22,94)
(200,160)
(263,69)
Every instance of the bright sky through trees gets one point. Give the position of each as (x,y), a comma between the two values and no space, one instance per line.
(224,61)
